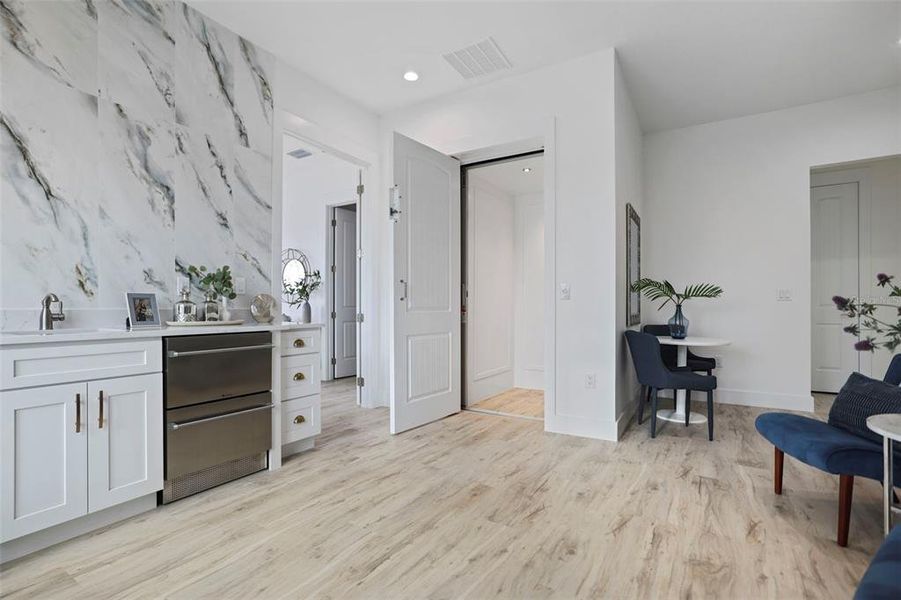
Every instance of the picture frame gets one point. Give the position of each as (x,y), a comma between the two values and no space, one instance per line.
(143,312)
(633,265)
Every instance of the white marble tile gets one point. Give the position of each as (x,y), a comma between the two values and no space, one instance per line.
(136,213)
(136,42)
(57,38)
(49,182)
(254,69)
(252,222)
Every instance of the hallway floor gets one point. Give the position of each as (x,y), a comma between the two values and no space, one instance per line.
(518,401)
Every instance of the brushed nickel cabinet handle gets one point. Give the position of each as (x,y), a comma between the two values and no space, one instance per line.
(299,419)
(100,403)
(77,413)
(299,377)
(299,343)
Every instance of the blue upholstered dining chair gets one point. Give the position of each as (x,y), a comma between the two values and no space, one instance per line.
(699,364)
(654,374)
(836,449)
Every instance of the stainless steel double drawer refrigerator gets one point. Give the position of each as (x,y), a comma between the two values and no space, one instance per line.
(218,405)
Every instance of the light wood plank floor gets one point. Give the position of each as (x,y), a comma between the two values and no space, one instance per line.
(518,401)
(477,506)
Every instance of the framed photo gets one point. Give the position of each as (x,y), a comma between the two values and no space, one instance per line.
(633,266)
(143,312)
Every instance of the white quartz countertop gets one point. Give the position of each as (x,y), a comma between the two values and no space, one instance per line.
(61,335)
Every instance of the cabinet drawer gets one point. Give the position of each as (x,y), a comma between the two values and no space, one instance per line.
(300,375)
(302,341)
(49,364)
(300,419)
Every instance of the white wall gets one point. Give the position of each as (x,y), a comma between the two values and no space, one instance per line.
(528,303)
(489,328)
(310,185)
(729,202)
(577,97)
(629,190)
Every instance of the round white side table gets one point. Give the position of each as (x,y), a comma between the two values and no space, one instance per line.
(678,415)
(889,427)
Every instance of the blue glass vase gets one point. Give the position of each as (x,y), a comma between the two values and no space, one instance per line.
(678,324)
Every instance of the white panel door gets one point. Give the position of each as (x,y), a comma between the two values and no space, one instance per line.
(425,374)
(834,270)
(125,452)
(345,296)
(43,458)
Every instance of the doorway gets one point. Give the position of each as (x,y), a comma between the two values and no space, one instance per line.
(321,194)
(503,282)
(855,216)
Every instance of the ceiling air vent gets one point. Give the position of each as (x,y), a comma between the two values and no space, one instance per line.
(478,60)
(300,153)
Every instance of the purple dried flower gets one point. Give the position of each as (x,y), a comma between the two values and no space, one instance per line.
(883,279)
(841,302)
(864,346)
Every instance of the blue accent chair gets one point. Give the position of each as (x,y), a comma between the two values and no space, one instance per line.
(829,449)
(882,580)
(698,364)
(654,374)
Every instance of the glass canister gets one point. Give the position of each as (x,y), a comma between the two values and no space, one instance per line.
(185,310)
(211,307)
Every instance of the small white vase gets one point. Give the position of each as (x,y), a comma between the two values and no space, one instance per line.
(306,312)
(223,311)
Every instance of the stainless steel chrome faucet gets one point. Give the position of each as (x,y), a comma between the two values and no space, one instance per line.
(47,314)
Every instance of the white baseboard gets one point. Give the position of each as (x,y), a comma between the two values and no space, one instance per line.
(51,536)
(774,400)
(590,428)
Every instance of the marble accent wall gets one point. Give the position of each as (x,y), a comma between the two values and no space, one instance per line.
(135,139)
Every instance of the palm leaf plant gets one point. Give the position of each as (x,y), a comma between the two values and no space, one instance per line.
(655,290)
(877,328)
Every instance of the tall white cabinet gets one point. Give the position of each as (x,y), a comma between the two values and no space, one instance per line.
(91,440)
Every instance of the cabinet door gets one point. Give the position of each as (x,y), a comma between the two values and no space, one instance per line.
(125,441)
(43,458)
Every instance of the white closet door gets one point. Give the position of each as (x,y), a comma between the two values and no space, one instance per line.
(834,253)
(345,297)
(425,373)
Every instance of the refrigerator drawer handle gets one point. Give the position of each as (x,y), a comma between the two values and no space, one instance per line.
(174,426)
(176,354)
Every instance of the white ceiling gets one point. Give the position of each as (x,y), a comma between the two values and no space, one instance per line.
(684,63)
(509,176)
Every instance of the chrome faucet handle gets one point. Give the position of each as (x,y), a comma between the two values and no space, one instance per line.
(47,302)
(58,316)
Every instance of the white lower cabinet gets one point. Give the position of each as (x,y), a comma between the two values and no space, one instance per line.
(76,448)
(43,458)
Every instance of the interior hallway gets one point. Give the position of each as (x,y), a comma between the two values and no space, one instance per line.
(477,506)
(518,401)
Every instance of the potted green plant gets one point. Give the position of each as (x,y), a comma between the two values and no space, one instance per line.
(878,329)
(298,294)
(218,286)
(664,290)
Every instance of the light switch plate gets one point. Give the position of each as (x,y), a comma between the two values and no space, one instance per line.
(564,291)
(591,381)
(240,285)
(783,295)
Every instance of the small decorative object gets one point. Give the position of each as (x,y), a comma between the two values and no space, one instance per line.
(298,294)
(210,307)
(874,317)
(261,308)
(220,283)
(142,311)
(185,311)
(664,290)
(633,266)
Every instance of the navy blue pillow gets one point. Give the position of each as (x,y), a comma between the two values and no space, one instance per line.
(862,397)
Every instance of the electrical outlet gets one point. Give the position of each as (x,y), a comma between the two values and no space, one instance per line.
(240,285)
(591,381)
(564,291)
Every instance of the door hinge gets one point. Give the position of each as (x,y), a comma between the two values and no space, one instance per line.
(334,315)
(360,189)
(334,361)
(359,317)
(334,223)
(360,382)
(334,269)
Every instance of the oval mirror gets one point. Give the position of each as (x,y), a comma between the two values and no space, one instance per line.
(295,267)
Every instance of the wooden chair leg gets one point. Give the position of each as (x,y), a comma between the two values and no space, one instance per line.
(687,406)
(777,471)
(845,493)
(710,415)
(641,401)
(653,412)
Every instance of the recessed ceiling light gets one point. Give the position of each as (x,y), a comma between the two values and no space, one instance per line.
(527,169)
(411,76)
